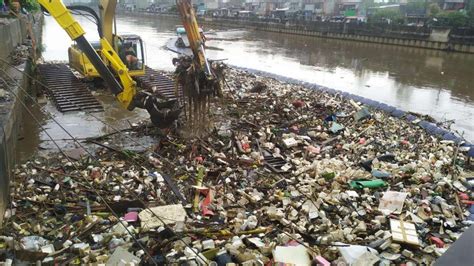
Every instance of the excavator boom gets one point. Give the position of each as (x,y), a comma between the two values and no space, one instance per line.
(200,80)
(196,43)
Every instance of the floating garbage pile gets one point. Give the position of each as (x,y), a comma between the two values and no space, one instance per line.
(289,176)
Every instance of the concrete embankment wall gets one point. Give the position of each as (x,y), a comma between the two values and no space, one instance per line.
(433,41)
(13,32)
(435,38)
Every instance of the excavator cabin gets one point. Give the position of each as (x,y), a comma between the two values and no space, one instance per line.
(129,47)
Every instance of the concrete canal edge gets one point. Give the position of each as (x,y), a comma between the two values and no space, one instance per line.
(433,43)
(14,33)
(429,127)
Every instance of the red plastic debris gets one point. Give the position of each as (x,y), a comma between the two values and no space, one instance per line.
(199,159)
(95,173)
(463,196)
(298,103)
(246,146)
(270,263)
(437,241)
(209,194)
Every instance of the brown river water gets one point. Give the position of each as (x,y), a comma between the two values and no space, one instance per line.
(431,82)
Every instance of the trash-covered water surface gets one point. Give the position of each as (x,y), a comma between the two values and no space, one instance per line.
(288,176)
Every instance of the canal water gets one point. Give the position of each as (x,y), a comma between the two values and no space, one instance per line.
(430,82)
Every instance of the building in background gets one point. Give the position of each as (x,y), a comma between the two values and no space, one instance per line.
(135,5)
(161,5)
(309,9)
(313,8)
(349,8)
(412,11)
(453,4)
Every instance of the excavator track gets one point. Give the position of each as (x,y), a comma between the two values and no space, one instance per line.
(163,86)
(70,94)
(67,91)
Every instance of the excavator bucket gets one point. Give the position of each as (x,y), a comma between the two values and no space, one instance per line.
(162,113)
(200,79)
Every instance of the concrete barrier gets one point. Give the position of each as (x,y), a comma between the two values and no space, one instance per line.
(13,34)
(437,42)
(433,43)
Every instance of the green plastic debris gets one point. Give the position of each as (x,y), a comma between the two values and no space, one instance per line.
(200,174)
(130,154)
(360,184)
(102,214)
(328,175)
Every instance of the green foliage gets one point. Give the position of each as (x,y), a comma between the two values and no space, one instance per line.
(461,18)
(387,14)
(470,12)
(452,19)
(434,9)
(30,5)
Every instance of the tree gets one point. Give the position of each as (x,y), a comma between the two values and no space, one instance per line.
(452,19)
(470,12)
(387,14)
(433,9)
(30,5)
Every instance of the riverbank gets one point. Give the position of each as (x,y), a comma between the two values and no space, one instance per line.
(16,47)
(406,36)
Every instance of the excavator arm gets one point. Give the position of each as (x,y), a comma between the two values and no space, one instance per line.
(125,91)
(196,43)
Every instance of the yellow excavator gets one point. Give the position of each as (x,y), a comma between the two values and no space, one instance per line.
(118,59)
